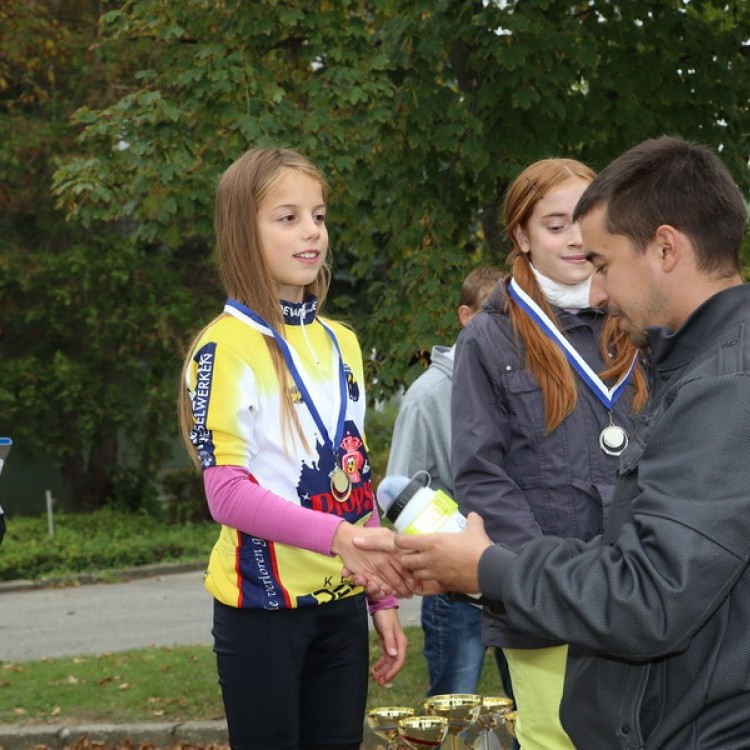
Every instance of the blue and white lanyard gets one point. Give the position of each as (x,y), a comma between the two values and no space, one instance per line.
(238,310)
(608,396)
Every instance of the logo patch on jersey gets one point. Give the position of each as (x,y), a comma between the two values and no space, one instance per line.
(314,486)
(200,436)
(351,383)
(262,588)
(353,459)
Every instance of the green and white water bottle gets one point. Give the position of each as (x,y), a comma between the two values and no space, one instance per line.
(415,508)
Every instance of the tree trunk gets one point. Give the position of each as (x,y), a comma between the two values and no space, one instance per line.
(102,468)
(492,225)
(73,480)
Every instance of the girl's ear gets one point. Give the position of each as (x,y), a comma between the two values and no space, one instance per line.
(521,238)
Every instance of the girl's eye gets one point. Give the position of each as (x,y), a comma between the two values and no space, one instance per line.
(320,218)
(287,218)
(556,227)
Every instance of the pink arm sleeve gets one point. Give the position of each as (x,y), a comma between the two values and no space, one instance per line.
(235,501)
(387,602)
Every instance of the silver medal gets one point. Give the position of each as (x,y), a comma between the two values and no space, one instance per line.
(613,440)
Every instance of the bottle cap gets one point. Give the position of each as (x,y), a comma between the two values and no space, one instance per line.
(395,491)
(389,489)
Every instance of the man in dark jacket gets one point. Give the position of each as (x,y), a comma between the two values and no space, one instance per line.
(657,610)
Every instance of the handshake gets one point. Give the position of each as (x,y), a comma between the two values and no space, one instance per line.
(404,564)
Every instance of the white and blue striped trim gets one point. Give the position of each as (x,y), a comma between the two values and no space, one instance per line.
(608,396)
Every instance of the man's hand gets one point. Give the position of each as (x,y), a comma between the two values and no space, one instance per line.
(376,568)
(450,559)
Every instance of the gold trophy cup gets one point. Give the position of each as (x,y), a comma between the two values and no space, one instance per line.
(461,710)
(510,722)
(418,732)
(384,722)
(491,714)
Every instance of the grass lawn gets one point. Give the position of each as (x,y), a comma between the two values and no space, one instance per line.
(165,684)
(149,685)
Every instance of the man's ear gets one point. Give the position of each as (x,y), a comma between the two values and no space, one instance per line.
(670,244)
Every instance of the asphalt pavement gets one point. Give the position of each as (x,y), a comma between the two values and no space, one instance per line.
(168,607)
(158,606)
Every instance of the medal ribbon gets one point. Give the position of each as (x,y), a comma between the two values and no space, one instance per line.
(239,311)
(608,396)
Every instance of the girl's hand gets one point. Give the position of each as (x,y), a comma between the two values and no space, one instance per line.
(378,569)
(393,645)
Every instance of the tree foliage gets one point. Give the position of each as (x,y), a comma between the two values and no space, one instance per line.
(80,326)
(419,114)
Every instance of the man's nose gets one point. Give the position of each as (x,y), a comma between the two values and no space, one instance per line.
(597,296)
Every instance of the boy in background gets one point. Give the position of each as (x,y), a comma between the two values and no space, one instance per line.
(422,442)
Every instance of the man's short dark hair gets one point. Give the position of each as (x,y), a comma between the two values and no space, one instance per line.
(671,181)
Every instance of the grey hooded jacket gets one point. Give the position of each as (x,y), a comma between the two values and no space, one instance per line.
(422,433)
(658,609)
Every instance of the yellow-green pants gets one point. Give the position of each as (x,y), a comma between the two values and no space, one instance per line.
(537,676)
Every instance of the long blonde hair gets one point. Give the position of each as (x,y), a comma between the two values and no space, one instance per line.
(543,357)
(242,267)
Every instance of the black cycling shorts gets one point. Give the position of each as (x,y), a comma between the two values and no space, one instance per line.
(294,679)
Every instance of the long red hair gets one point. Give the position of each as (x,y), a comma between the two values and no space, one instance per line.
(544,359)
